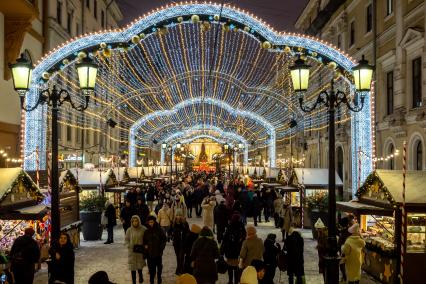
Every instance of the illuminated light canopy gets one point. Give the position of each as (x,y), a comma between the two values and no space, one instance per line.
(163,59)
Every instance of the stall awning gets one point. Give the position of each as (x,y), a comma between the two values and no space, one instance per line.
(314,178)
(92,178)
(36,212)
(362,208)
(270,185)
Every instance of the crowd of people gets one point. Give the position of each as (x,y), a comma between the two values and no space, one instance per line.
(157,214)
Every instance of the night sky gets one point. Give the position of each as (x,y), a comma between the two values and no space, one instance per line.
(281,14)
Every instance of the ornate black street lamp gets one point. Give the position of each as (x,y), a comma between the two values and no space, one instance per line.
(21,74)
(331,100)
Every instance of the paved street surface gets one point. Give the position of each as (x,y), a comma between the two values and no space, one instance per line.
(94,255)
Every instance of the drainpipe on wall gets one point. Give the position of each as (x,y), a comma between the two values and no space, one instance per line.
(374,7)
(45,19)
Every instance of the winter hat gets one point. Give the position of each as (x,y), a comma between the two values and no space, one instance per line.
(100,277)
(258,264)
(206,232)
(249,276)
(251,231)
(354,229)
(186,279)
(235,218)
(150,217)
(319,224)
(195,229)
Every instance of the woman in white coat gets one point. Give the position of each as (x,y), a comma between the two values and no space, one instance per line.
(134,236)
(208,208)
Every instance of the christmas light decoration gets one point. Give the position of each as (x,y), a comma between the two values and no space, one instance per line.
(156,77)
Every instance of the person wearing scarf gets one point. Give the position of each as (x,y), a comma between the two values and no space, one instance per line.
(134,236)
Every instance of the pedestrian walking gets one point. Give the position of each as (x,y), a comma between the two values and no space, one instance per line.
(286,215)
(294,246)
(164,219)
(150,197)
(188,193)
(270,257)
(126,214)
(204,253)
(322,234)
(154,241)
(24,254)
(134,242)
(142,210)
(221,217)
(62,260)
(233,238)
(190,239)
(252,248)
(278,204)
(180,230)
(343,227)
(111,221)
(207,212)
(352,250)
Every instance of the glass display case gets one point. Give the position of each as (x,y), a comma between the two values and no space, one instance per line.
(379,233)
(416,232)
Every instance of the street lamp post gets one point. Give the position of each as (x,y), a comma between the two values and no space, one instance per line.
(226,147)
(21,74)
(331,100)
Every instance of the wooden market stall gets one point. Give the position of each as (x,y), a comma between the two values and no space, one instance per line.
(378,210)
(69,190)
(311,182)
(21,205)
(136,173)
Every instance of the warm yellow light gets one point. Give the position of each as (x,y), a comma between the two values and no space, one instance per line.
(363,74)
(300,75)
(87,71)
(21,74)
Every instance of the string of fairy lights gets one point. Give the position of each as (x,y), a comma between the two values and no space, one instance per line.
(164,60)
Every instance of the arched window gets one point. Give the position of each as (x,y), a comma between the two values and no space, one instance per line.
(391,159)
(419,156)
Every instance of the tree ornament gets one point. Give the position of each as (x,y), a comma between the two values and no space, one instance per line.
(136,39)
(195,19)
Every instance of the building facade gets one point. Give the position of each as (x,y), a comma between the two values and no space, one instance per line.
(390,33)
(35,27)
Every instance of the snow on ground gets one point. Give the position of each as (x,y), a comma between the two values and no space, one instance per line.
(93,256)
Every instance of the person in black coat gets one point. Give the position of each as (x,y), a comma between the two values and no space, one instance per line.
(126,214)
(188,194)
(272,249)
(190,239)
(294,247)
(112,221)
(142,210)
(62,265)
(150,197)
(25,252)
(154,241)
(221,218)
(204,253)
(256,207)
(233,238)
(180,230)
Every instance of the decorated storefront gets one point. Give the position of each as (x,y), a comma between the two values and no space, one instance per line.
(379,211)
(21,206)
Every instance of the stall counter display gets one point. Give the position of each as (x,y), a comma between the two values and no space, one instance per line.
(416,232)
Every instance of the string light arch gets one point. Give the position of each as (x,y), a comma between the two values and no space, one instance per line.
(169,56)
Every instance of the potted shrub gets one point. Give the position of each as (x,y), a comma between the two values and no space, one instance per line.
(91,208)
(317,205)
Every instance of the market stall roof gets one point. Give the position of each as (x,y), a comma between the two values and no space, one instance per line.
(121,173)
(415,183)
(270,185)
(314,178)
(136,172)
(36,212)
(94,178)
(9,177)
(356,207)
(117,189)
